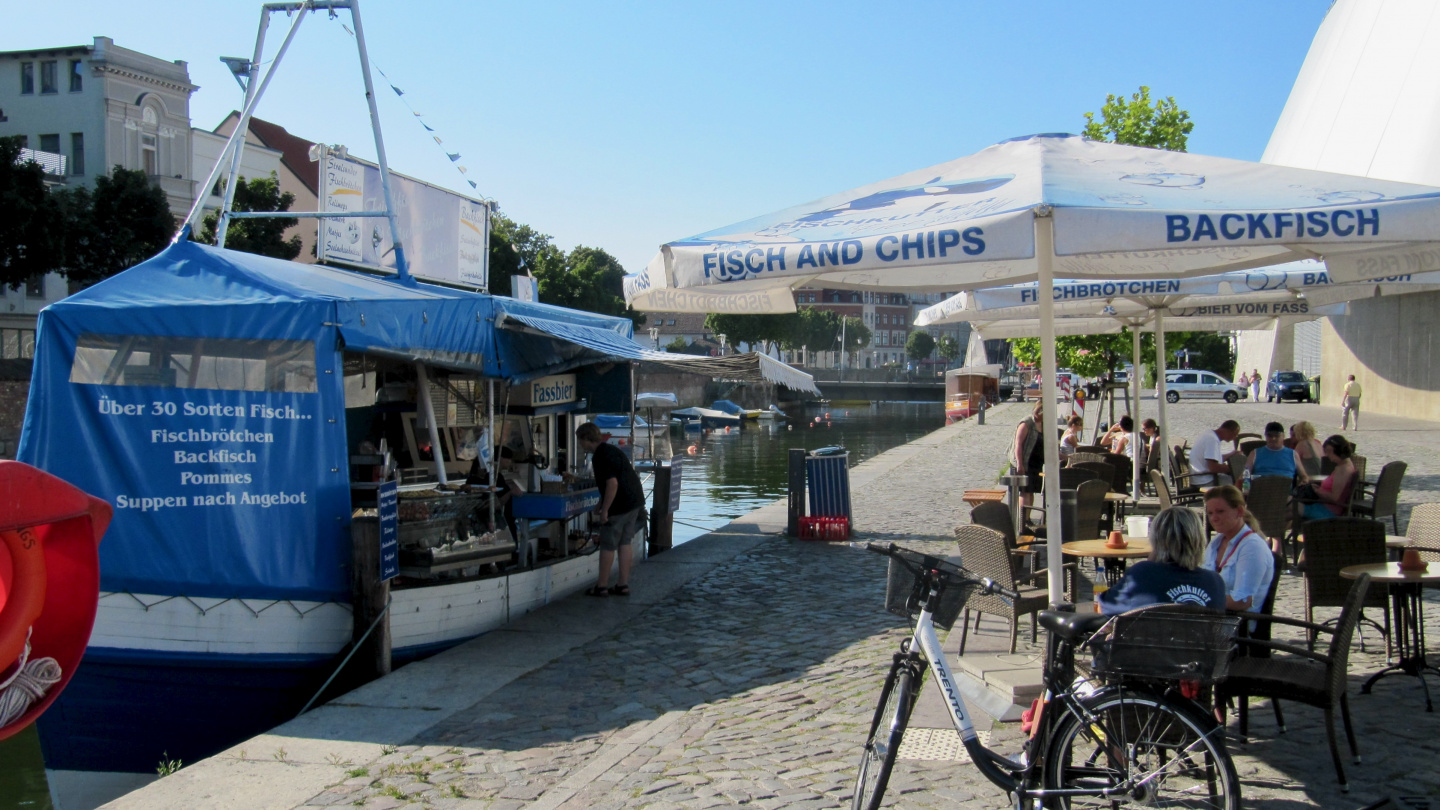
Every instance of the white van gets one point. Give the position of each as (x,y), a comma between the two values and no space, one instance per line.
(1193,383)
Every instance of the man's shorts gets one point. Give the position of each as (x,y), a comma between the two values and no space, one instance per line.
(619,530)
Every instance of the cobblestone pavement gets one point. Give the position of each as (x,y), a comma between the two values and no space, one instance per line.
(754,684)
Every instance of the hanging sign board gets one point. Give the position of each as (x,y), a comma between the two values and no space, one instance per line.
(556,389)
(676,464)
(388,501)
(446,235)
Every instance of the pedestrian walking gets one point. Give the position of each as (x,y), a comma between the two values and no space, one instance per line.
(621,502)
(1350,403)
(1255,381)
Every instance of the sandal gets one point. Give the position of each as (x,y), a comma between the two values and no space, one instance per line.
(596,590)
(620,590)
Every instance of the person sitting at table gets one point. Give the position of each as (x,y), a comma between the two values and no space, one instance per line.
(1120,438)
(1331,497)
(1071,439)
(1275,458)
(1207,459)
(1172,574)
(1307,447)
(1149,440)
(1239,553)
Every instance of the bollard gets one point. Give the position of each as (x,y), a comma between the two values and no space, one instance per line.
(661,512)
(981,419)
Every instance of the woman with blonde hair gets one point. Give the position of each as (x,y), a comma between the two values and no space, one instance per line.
(1240,554)
(1173,572)
(1307,447)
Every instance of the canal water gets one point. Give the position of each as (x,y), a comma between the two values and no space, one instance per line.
(730,474)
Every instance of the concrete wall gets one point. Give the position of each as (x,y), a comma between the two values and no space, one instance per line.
(1389,345)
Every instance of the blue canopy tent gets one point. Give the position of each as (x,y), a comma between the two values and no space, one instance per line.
(201,393)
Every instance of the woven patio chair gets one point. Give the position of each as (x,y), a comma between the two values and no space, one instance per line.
(1333,544)
(1123,472)
(1167,498)
(1424,531)
(1090,448)
(1269,501)
(1249,445)
(1079,457)
(1303,676)
(985,552)
(1103,471)
(1380,499)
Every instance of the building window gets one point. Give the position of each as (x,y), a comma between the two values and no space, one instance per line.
(77,153)
(149,155)
(77,75)
(48,71)
(50,143)
(35,286)
(27,78)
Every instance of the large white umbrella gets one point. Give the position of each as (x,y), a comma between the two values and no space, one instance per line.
(1040,206)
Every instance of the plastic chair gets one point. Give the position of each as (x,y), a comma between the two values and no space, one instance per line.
(984,551)
(1304,676)
(1380,499)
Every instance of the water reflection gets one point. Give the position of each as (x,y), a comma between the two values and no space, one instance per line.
(730,474)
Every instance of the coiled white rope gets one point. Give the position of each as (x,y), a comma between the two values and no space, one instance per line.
(32,679)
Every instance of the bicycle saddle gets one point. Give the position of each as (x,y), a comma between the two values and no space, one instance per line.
(1072,626)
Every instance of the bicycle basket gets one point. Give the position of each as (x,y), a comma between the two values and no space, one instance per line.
(1166,642)
(903,587)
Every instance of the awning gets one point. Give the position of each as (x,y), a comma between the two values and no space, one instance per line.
(749,367)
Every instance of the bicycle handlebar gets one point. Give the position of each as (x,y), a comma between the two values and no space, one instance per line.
(987,584)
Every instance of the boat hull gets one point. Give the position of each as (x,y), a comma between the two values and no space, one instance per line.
(173,678)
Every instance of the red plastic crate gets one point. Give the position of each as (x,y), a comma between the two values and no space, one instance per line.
(824,528)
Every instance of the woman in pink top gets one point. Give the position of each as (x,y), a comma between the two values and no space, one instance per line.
(1333,494)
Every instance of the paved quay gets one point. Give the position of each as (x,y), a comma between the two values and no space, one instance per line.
(744,669)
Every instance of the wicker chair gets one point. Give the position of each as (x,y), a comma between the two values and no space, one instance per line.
(985,552)
(1303,675)
(1380,499)
(1248,446)
(1169,499)
(1424,530)
(1103,471)
(1331,545)
(1123,472)
(1269,501)
(1079,457)
(1090,448)
(1236,463)
(994,515)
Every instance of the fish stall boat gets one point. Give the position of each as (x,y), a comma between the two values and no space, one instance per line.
(966,388)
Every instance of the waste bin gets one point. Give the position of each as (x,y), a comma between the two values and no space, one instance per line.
(827,473)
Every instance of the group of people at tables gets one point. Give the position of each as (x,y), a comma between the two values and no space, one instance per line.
(1233,569)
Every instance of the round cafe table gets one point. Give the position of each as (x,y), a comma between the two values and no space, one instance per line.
(1406,588)
(1135,547)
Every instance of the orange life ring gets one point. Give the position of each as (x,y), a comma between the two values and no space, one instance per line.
(26,596)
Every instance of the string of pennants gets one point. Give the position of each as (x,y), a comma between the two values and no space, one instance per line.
(400,94)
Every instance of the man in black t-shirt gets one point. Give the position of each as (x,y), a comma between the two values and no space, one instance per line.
(621,501)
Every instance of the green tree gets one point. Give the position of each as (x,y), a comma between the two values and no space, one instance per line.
(919,345)
(815,330)
(679,344)
(265,236)
(31,235)
(756,330)
(589,279)
(948,347)
(515,249)
(1138,121)
(123,222)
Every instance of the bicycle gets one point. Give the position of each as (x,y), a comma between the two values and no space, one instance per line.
(1136,738)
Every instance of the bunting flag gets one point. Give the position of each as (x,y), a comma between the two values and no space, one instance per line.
(419,117)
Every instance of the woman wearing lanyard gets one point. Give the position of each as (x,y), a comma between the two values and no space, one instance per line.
(1239,553)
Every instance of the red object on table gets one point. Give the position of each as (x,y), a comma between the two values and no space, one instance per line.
(39,510)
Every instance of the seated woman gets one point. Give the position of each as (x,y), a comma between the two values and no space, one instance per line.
(1307,447)
(1071,439)
(1120,438)
(1240,554)
(1173,572)
(1333,494)
(1275,458)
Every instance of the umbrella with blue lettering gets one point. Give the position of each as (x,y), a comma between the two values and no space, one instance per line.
(1047,206)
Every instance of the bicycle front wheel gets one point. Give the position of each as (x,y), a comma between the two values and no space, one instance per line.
(886,731)
(1138,750)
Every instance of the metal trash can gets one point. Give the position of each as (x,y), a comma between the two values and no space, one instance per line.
(827,472)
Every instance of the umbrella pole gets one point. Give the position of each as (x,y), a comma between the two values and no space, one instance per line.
(1044,259)
(438,452)
(1162,404)
(1135,412)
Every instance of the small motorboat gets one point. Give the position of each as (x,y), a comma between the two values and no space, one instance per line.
(698,418)
(773,413)
(726,406)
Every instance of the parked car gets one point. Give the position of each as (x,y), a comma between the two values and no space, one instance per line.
(1285,385)
(1193,383)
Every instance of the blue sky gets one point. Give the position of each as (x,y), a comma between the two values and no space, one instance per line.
(623,125)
